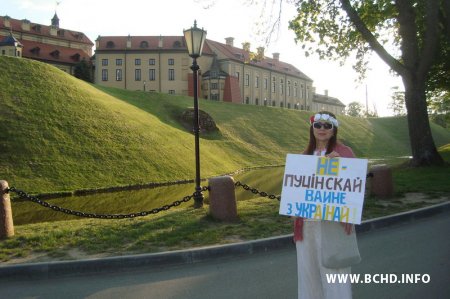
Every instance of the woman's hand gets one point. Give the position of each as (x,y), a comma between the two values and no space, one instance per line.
(348,227)
(333,154)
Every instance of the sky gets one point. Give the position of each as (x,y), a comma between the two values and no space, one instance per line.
(221,19)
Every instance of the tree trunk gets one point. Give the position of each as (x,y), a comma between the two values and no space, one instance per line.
(424,152)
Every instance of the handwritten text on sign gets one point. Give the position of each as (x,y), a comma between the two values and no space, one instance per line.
(322,188)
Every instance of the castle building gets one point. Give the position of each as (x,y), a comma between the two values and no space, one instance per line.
(227,73)
(60,47)
(162,64)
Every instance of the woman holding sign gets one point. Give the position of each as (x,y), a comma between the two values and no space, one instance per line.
(309,233)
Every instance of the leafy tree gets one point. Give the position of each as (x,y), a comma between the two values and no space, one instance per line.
(83,71)
(411,36)
(354,109)
(398,102)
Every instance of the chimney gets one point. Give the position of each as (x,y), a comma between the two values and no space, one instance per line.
(53,30)
(276,56)
(25,25)
(229,41)
(260,51)
(160,42)
(7,21)
(129,42)
(326,93)
(246,46)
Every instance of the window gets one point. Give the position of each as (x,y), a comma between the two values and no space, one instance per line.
(281,86)
(273,85)
(119,75)
(104,75)
(266,83)
(137,61)
(214,86)
(247,79)
(104,62)
(118,61)
(247,100)
(237,75)
(257,81)
(144,45)
(151,61)
(171,91)
(137,75)
(171,61)
(152,74)
(171,74)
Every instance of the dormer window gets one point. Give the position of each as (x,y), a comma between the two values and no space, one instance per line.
(144,45)
(110,45)
(61,32)
(55,54)
(37,28)
(36,51)
(75,57)
(177,44)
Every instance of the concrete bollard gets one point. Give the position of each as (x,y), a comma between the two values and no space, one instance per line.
(6,220)
(222,198)
(381,184)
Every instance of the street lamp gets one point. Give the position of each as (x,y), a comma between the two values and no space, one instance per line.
(195,38)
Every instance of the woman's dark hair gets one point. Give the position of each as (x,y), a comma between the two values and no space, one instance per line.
(312,140)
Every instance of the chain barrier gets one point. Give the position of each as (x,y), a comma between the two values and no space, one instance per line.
(271,196)
(45,204)
(256,191)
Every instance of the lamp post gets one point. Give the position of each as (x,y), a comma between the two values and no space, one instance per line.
(195,38)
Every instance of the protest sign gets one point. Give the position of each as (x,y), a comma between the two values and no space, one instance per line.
(324,188)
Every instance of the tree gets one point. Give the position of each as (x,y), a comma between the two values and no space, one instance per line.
(398,102)
(83,71)
(416,32)
(354,109)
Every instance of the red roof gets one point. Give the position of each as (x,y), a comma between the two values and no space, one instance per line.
(44,30)
(242,56)
(145,43)
(53,53)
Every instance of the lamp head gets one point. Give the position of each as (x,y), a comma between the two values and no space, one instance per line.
(195,38)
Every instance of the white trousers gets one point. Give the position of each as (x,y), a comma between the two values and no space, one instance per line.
(312,280)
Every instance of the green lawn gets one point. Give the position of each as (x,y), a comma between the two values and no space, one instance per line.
(61,134)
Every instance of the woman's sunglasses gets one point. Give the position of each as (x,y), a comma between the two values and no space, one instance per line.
(319,125)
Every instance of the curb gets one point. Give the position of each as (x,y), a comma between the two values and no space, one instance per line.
(49,270)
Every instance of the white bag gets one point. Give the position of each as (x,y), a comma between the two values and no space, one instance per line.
(339,250)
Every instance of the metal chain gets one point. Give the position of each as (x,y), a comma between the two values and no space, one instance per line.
(45,204)
(256,191)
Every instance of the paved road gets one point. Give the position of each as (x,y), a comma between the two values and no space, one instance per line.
(421,247)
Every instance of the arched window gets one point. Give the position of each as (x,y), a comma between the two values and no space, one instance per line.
(144,45)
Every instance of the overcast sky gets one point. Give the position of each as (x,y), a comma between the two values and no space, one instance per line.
(221,19)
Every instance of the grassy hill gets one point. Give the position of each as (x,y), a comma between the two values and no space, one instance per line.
(59,133)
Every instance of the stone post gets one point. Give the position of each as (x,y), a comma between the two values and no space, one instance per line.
(6,220)
(381,184)
(222,198)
